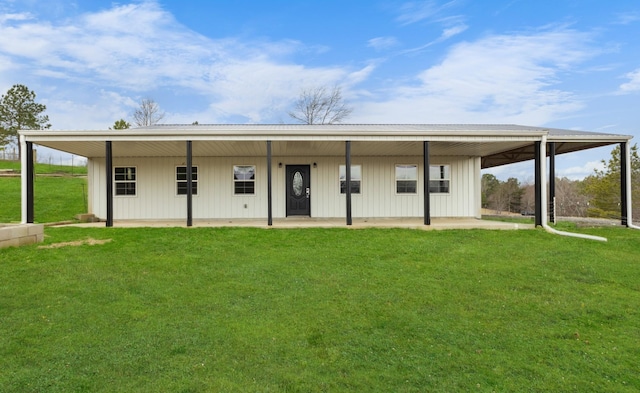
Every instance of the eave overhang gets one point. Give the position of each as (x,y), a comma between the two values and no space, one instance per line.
(496,144)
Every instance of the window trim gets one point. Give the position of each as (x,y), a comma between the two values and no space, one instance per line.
(134,181)
(441,179)
(193,181)
(255,172)
(358,180)
(395,168)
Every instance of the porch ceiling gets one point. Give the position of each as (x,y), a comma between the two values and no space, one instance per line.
(96,149)
(527,152)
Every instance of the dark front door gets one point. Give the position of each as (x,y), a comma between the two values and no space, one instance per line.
(298,190)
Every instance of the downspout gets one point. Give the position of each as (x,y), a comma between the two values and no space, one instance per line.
(628,190)
(544,199)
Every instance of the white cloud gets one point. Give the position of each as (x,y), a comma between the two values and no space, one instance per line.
(382,43)
(499,78)
(140,49)
(15,17)
(633,84)
(628,18)
(413,12)
(360,75)
(523,171)
(432,13)
(96,110)
(417,11)
(580,172)
(446,34)
(453,31)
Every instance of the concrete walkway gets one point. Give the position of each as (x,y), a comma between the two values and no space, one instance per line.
(307,222)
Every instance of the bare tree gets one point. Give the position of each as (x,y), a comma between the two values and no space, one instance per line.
(148,113)
(528,206)
(570,202)
(319,106)
(505,196)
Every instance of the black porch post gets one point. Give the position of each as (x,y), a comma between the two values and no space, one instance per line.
(624,203)
(538,180)
(348,179)
(269,187)
(30,189)
(189,183)
(552,180)
(427,191)
(109,173)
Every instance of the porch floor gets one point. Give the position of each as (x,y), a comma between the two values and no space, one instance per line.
(308,222)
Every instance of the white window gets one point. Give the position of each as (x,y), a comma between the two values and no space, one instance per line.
(406,179)
(244,179)
(125,180)
(181,180)
(439,179)
(356,179)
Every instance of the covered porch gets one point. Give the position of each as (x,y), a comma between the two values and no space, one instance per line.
(492,145)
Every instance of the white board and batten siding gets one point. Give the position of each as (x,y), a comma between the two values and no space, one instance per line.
(156,195)
(156,191)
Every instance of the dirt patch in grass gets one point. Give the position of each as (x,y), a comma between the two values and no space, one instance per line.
(89,241)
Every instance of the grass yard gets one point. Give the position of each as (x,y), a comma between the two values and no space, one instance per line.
(313,310)
(41,168)
(57,198)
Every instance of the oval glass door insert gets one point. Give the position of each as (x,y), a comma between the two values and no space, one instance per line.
(297,184)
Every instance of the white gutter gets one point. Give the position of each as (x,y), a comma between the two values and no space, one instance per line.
(628,190)
(544,201)
(23,178)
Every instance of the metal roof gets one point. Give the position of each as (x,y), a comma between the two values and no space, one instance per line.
(497,144)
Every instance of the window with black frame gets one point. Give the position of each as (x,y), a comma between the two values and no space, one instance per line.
(181,180)
(406,179)
(356,179)
(244,179)
(439,179)
(124,180)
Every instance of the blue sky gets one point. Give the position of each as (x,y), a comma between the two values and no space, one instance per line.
(566,63)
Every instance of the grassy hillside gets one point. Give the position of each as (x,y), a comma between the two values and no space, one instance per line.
(46,168)
(314,310)
(57,198)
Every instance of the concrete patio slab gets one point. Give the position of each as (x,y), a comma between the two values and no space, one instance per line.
(309,222)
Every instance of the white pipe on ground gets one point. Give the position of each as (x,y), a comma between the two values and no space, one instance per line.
(544,201)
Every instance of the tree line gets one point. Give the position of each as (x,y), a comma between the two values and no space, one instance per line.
(597,195)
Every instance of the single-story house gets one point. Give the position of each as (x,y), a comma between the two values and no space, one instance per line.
(267,172)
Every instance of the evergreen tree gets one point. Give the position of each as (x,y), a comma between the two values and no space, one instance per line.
(19,111)
(603,187)
(121,124)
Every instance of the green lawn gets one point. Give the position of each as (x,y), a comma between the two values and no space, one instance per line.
(41,168)
(313,310)
(57,198)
